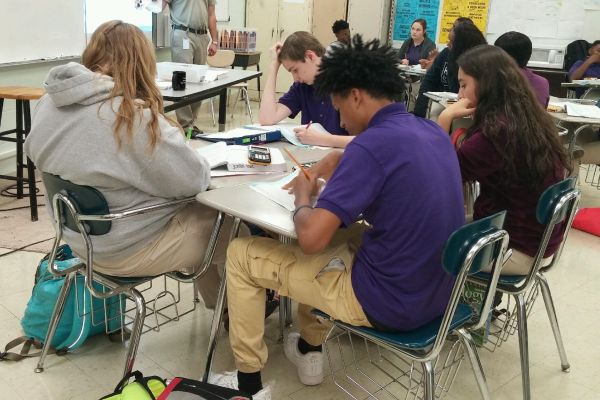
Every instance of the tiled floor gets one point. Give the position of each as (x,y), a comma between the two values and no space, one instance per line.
(179,349)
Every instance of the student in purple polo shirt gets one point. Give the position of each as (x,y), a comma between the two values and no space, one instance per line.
(512,150)
(400,174)
(301,55)
(588,68)
(519,47)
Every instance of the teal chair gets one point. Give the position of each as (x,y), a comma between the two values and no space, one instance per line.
(556,209)
(84,209)
(469,249)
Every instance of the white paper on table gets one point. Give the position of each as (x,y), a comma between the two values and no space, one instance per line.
(163,85)
(212,75)
(445,95)
(582,110)
(274,192)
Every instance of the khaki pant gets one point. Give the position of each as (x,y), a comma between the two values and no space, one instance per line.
(320,281)
(196,54)
(519,264)
(181,246)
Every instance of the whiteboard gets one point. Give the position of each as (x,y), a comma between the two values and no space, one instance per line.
(41,29)
(222,10)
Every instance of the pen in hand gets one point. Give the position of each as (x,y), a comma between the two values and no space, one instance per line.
(308,125)
(297,163)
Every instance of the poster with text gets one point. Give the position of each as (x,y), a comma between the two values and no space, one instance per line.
(477,10)
(409,10)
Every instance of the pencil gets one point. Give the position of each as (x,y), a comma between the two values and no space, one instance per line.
(308,125)
(297,163)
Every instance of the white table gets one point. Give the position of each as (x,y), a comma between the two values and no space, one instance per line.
(195,92)
(590,84)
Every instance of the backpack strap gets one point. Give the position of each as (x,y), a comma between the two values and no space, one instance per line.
(27,343)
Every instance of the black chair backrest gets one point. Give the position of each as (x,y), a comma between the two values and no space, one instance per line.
(550,198)
(461,241)
(577,50)
(86,199)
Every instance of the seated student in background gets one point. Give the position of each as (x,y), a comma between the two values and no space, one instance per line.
(399,173)
(428,61)
(341,30)
(443,75)
(301,55)
(512,149)
(519,47)
(588,68)
(101,124)
(418,45)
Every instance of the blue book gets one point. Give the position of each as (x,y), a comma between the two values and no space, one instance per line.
(245,136)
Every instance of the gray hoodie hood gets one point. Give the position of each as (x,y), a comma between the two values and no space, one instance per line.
(75,84)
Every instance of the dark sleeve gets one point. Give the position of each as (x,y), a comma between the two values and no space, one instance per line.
(477,158)
(427,46)
(403,49)
(431,82)
(291,99)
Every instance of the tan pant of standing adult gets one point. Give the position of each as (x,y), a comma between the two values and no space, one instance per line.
(196,54)
(320,281)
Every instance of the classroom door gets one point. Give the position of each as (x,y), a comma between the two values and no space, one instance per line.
(325,13)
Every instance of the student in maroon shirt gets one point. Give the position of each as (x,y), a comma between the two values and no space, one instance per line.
(519,47)
(512,149)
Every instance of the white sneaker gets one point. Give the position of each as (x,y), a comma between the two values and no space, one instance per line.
(309,365)
(229,380)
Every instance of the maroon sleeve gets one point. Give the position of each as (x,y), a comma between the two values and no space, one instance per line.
(478,158)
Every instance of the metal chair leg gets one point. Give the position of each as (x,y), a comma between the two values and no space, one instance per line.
(212,110)
(236,101)
(549,303)
(428,381)
(248,104)
(467,341)
(523,345)
(288,312)
(136,331)
(56,314)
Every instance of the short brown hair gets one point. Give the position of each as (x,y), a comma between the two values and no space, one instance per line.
(295,46)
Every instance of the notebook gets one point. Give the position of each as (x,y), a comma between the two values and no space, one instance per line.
(287,130)
(244,136)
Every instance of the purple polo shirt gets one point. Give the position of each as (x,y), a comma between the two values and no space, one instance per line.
(593,71)
(402,175)
(540,86)
(301,98)
(413,54)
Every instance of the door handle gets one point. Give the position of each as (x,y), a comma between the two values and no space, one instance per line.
(281,32)
(272,32)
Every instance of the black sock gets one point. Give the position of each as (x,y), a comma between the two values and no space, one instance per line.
(249,382)
(304,347)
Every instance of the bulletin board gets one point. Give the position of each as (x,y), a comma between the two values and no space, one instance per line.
(409,10)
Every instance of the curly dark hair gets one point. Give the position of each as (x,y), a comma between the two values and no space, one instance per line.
(369,66)
(339,25)
(509,115)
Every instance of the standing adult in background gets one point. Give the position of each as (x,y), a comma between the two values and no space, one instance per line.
(341,30)
(519,47)
(418,46)
(193,37)
(443,75)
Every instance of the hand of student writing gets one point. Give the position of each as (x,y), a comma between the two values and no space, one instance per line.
(302,188)
(308,136)
(404,61)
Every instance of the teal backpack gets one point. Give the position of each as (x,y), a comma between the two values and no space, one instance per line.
(83,316)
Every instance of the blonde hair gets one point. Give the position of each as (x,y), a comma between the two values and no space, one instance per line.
(121,50)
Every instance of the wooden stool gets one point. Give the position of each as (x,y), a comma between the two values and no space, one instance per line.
(22,95)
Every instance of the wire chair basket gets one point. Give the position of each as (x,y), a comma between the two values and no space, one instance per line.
(365,370)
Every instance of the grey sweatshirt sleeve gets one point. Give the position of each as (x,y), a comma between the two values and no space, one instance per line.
(173,169)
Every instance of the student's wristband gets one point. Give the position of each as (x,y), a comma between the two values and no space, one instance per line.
(300,208)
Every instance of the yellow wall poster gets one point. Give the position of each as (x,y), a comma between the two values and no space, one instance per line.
(477,10)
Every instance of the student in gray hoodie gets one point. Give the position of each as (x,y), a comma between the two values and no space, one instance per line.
(101,124)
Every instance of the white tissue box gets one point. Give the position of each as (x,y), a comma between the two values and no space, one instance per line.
(193,73)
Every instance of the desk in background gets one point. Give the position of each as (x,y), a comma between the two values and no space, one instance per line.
(248,59)
(556,77)
(195,92)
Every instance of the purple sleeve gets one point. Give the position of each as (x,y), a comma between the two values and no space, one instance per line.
(354,185)
(478,158)
(291,99)
(574,67)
